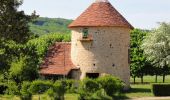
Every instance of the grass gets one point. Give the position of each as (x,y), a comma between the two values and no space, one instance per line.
(8,97)
(71,97)
(37,97)
(139,90)
(151,79)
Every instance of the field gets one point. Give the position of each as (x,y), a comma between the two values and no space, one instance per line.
(137,90)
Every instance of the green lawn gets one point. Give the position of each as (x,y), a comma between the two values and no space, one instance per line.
(7,97)
(36,97)
(151,79)
(139,90)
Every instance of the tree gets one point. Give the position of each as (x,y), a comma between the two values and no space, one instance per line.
(23,69)
(14,23)
(157,47)
(14,31)
(139,65)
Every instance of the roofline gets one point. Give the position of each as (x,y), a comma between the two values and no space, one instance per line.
(82,26)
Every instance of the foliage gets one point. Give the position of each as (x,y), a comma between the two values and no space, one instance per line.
(25,93)
(161,89)
(55,90)
(100,95)
(21,70)
(44,25)
(40,86)
(110,84)
(14,32)
(88,87)
(157,47)
(139,65)
(69,85)
(103,87)
(59,89)
(9,50)
(14,24)
(42,43)
(12,88)
(23,60)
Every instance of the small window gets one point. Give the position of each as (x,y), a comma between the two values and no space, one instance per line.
(85,32)
(113,65)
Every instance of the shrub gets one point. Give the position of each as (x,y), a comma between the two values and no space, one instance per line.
(67,38)
(88,87)
(50,92)
(161,89)
(40,86)
(59,89)
(100,95)
(12,88)
(69,85)
(110,84)
(25,93)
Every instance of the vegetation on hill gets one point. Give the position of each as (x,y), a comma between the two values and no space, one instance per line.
(44,25)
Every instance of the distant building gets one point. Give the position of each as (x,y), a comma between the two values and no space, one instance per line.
(99,46)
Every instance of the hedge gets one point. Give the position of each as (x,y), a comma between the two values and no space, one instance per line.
(161,89)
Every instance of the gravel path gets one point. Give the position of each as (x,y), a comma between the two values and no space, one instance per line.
(152,98)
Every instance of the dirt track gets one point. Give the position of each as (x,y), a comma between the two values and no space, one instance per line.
(152,98)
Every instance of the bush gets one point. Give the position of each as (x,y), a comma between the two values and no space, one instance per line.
(12,88)
(25,93)
(161,89)
(100,95)
(110,84)
(51,93)
(40,86)
(88,87)
(59,89)
(69,85)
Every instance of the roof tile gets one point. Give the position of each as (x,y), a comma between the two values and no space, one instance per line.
(101,14)
(58,60)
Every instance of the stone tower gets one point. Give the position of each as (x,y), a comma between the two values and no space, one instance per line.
(100,42)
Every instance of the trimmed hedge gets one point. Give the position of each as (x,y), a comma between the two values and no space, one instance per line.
(161,89)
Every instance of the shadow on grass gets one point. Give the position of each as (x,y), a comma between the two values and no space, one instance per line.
(121,97)
(139,90)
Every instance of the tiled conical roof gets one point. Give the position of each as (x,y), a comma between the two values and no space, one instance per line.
(101,13)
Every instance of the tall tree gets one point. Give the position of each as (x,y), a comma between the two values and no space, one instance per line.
(14,30)
(139,65)
(157,47)
(14,23)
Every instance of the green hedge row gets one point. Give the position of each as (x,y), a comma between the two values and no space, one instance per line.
(161,89)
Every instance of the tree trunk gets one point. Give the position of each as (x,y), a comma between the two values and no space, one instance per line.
(163,78)
(142,79)
(134,80)
(156,78)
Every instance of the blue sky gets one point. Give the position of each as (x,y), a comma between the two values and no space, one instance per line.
(140,13)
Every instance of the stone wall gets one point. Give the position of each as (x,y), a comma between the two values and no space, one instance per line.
(106,54)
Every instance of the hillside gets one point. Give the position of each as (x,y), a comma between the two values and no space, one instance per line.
(45,25)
